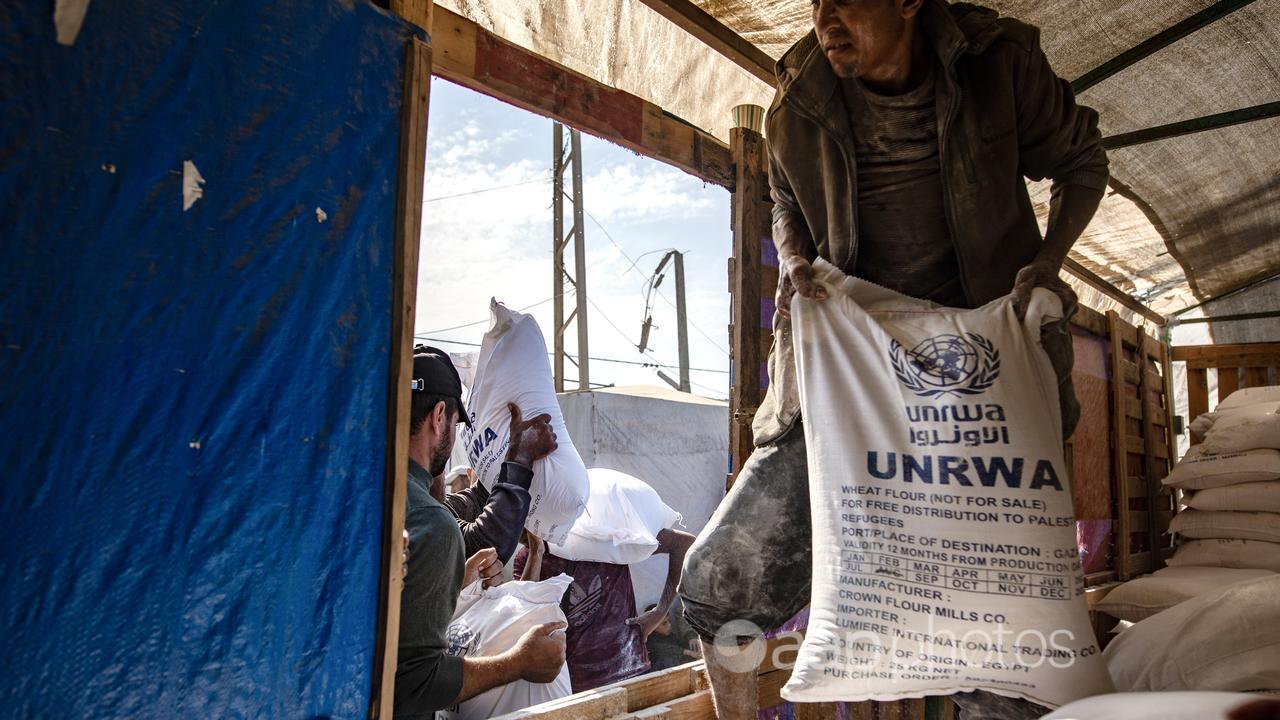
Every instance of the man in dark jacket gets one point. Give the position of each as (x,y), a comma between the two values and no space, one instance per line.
(899,141)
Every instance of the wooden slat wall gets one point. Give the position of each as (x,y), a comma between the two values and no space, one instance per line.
(1236,366)
(753,277)
(1142,444)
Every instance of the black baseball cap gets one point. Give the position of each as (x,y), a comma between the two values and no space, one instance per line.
(433,373)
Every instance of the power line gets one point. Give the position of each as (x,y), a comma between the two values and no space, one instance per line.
(486,190)
(701,332)
(600,359)
(481,322)
(713,390)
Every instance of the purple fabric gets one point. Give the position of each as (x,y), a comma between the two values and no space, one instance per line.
(601,648)
(768,251)
(1093,537)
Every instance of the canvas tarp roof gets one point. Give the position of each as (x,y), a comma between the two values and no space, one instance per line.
(1189,218)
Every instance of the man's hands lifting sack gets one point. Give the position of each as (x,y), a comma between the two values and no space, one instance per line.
(1042,274)
(796,275)
(531,440)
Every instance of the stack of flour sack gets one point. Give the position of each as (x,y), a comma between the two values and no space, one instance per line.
(1209,621)
(1231,484)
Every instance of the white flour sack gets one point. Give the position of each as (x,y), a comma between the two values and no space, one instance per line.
(944,553)
(489,622)
(621,525)
(513,367)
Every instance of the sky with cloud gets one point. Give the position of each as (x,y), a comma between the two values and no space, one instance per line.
(487,232)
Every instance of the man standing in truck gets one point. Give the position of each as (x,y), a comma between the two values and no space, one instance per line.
(899,140)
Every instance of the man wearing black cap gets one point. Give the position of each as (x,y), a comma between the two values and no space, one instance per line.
(427,677)
(488,519)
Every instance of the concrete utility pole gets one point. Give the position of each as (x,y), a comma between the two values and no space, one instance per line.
(682,321)
(578,280)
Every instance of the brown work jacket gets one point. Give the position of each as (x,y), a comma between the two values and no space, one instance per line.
(1003,115)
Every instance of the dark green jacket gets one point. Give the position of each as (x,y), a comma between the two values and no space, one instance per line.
(1003,116)
(427,678)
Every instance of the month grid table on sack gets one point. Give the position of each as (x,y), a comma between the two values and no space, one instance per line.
(956,577)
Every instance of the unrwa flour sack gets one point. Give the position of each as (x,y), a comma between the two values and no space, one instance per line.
(488,622)
(621,524)
(513,367)
(944,553)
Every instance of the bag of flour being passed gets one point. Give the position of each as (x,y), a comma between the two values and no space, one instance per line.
(513,367)
(944,554)
(489,622)
(621,525)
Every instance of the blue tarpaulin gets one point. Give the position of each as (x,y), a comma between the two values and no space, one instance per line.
(196,262)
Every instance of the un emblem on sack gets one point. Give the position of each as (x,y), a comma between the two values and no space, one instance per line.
(946,364)
(462,640)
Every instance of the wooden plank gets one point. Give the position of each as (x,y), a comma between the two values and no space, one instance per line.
(1255,377)
(1127,333)
(1137,486)
(913,709)
(861,711)
(939,708)
(1237,355)
(694,707)
(1149,459)
(600,704)
(1171,441)
(473,57)
(1132,407)
(1099,578)
(1197,394)
(408,228)
(1096,281)
(716,35)
(417,12)
(769,686)
(657,712)
(1129,372)
(659,687)
(1228,381)
(1155,350)
(1090,320)
(1135,444)
(1120,446)
(1141,520)
(752,228)
(1139,563)
(816,711)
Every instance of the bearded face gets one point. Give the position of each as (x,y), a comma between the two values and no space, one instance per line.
(444,445)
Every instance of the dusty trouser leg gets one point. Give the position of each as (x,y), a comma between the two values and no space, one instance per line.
(1056,339)
(989,706)
(750,563)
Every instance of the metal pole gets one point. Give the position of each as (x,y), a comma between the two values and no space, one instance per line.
(1194,125)
(580,261)
(682,323)
(557,252)
(1154,44)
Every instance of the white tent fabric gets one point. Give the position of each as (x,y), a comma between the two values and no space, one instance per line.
(676,442)
(1192,218)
